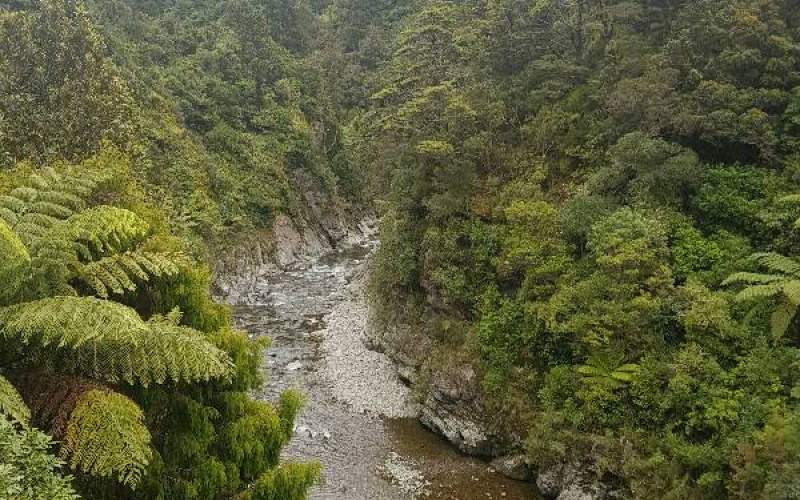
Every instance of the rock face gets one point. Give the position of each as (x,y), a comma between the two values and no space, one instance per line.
(452,410)
(318,225)
(452,406)
(514,466)
(571,482)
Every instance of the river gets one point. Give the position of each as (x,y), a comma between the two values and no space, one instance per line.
(364,456)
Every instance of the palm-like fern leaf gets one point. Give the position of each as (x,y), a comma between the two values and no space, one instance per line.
(783,283)
(47,198)
(106,437)
(116,273)
(103,229)
(751,279)
(109,341)
(11,403)
(14,259)
(777,263)
(608,370)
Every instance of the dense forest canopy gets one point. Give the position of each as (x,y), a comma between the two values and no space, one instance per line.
(594,202)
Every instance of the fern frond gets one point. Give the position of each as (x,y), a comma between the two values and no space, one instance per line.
(179,354)
(791,290)
(781,318)
(47,198)
(116,273)
(8,216)
(64,200)
(777,263)
(109,341)
(52,398)
(13,204)
(760,291)
(625,373)
(106,437)
(14,259)
(69,322)
(751,278)
(104,229)
(11,403)
(792,198)
(12,249)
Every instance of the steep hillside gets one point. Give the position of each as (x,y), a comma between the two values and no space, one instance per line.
(569,189)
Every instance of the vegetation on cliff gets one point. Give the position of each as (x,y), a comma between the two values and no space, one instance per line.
(122,157)
(595,201)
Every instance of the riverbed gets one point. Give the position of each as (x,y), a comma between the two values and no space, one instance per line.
(366,455)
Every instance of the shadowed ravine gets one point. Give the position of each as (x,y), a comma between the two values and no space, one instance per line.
(364,456)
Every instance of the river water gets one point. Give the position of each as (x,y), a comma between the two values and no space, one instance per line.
(355,449)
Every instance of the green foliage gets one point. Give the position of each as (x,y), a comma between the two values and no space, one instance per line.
(109,341)
(289,482)
(73,248)
(12,404)
(782,282)
(106,436)
(61,95)
(28,471)
(623,158)
(604,369)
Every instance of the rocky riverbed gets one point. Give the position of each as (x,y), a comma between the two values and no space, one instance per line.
(360,421)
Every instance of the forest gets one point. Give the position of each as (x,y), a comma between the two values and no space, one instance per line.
(593,203)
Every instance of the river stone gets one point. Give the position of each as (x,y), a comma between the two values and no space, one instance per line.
(513,466)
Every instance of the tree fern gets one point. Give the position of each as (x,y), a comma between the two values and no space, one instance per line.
(118,273)
(47,197)
(780,282)
(13,259)
(102,431)
(109,341)
(608,370)
(12,404)
(102,230)
(106,437)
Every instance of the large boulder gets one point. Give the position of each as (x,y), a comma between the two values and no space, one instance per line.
(514,466)
(573,481)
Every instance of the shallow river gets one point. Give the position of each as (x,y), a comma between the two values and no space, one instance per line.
(354,448)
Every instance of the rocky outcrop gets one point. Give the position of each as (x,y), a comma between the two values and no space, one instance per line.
(515,467)
(452,409)
(318,224)
(452,406)
(571,482)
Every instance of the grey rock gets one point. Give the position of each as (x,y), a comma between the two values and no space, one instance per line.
(513,466)
(577,491)
(571,482)
(466,434)
(550,481)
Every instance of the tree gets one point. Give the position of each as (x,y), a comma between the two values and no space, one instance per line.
(62,247)
(59,94)
(125,389)
(781,281)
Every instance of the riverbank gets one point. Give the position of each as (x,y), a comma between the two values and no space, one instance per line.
(316,314)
